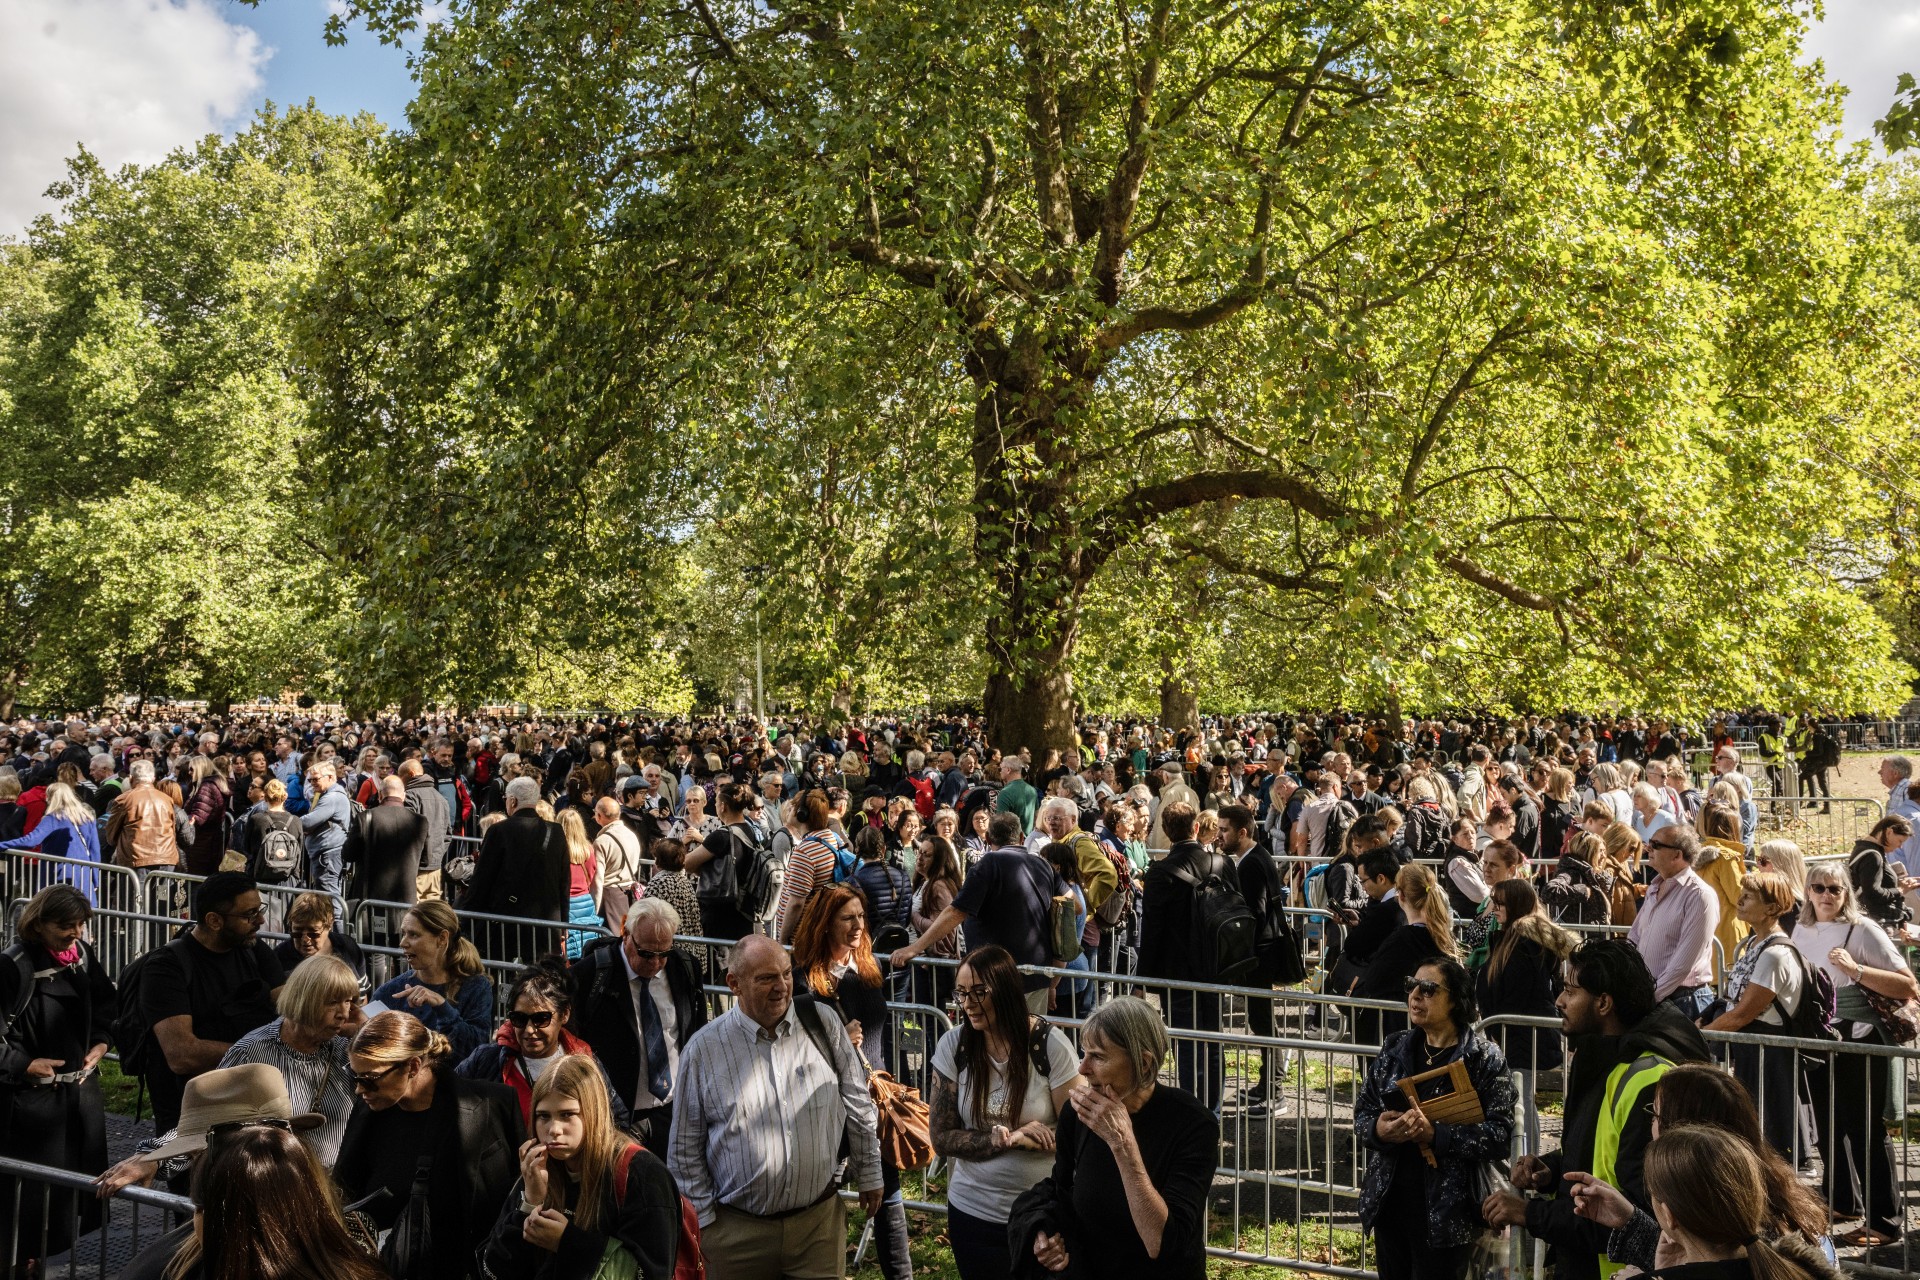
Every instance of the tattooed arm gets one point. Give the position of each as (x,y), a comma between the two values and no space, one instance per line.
(953,1139)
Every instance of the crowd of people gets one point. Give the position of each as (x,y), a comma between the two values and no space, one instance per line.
(604,1111)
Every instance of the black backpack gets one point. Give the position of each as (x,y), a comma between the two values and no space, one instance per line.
(131,1030)
(753,872)
(1224,935)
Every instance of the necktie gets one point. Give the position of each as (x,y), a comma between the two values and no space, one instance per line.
(654,1038)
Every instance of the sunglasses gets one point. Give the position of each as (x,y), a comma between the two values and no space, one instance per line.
(1656,844)
(373,1078)
(641,954)
(234,1126)
(539,1021)
(1824,889)
(1428,989)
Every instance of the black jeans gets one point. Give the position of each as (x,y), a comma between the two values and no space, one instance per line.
(1853,1140)
(1199,1066)
(1772,1075)
(979,1247)
(1401,1252)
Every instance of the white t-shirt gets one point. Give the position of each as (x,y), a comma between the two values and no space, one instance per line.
(537,1067)
(1778,972)
(1868,944)
(987,1188)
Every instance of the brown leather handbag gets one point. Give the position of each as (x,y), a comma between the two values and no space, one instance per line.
(904,1121)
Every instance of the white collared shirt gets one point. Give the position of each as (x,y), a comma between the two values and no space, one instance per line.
(637,990)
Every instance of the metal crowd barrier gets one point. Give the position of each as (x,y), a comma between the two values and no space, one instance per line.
(507,944)
(55,1217)
(170,892)
(24,873)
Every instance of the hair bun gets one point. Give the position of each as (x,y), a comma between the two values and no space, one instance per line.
(438,1046)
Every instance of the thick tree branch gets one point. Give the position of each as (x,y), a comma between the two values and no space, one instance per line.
(1437,420)
(1288,582)
(1046,140)
(1241,296)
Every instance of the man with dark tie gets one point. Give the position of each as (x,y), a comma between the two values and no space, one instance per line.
(637,1002)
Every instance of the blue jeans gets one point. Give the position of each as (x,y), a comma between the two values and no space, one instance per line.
(325,870)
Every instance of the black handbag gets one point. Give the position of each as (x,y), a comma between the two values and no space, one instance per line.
(408,1248)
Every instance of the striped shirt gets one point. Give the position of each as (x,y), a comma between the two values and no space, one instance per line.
(320,1081)
(758,1116)
(809,867)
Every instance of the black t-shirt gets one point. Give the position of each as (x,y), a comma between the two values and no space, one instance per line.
(1008,901)
(226,993)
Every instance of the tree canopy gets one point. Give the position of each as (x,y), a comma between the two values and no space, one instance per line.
(1102,354)
(1488,343)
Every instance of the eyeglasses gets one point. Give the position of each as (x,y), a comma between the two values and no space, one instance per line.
(1824,889)
(972,995)
(372,1079)
(640,954)
(1670,848)
(539,1020)
(1428,989)
(258,913)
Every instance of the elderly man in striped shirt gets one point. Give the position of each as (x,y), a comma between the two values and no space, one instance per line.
(772,1100)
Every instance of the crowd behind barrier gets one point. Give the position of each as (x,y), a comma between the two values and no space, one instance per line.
(1290,1168)
(1286,1178)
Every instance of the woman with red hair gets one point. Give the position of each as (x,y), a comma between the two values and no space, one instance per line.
(833,963)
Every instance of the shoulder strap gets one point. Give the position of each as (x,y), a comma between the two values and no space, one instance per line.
(1038,1046)
(622,1165)
(24,996)
(808,1011)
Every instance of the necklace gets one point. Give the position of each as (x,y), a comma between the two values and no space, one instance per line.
(1433,1053)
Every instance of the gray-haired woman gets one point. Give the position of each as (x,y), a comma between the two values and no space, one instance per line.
(1133,1160)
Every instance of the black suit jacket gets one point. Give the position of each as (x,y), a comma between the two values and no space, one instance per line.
(1166,920)
(522,871)
(604,1017)
(1377,923)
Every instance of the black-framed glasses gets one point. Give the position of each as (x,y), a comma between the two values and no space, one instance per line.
(1425,986)
(972,995)
(539,1019)
(372,1079)
(640,953)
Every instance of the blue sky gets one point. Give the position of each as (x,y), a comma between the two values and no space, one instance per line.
(361,75)
(133,79)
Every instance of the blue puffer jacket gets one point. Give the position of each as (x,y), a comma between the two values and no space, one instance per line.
(1453,1202)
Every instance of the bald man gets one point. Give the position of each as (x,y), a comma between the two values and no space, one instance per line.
(617,850)
(386,851)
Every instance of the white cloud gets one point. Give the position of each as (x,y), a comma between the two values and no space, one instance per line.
(1866,44)
(129,79)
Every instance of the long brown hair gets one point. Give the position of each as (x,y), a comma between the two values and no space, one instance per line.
(1007,998)
(1525,922)
(1712,1186)
(576,1076)
(267,1212)
(813,940)
(1699,1093)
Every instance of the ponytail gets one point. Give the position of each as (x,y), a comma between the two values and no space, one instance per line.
(1788,1258)
(463,959)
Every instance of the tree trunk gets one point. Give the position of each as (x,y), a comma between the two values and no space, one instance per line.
(1032,710)
(1179,700)
(8,692)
